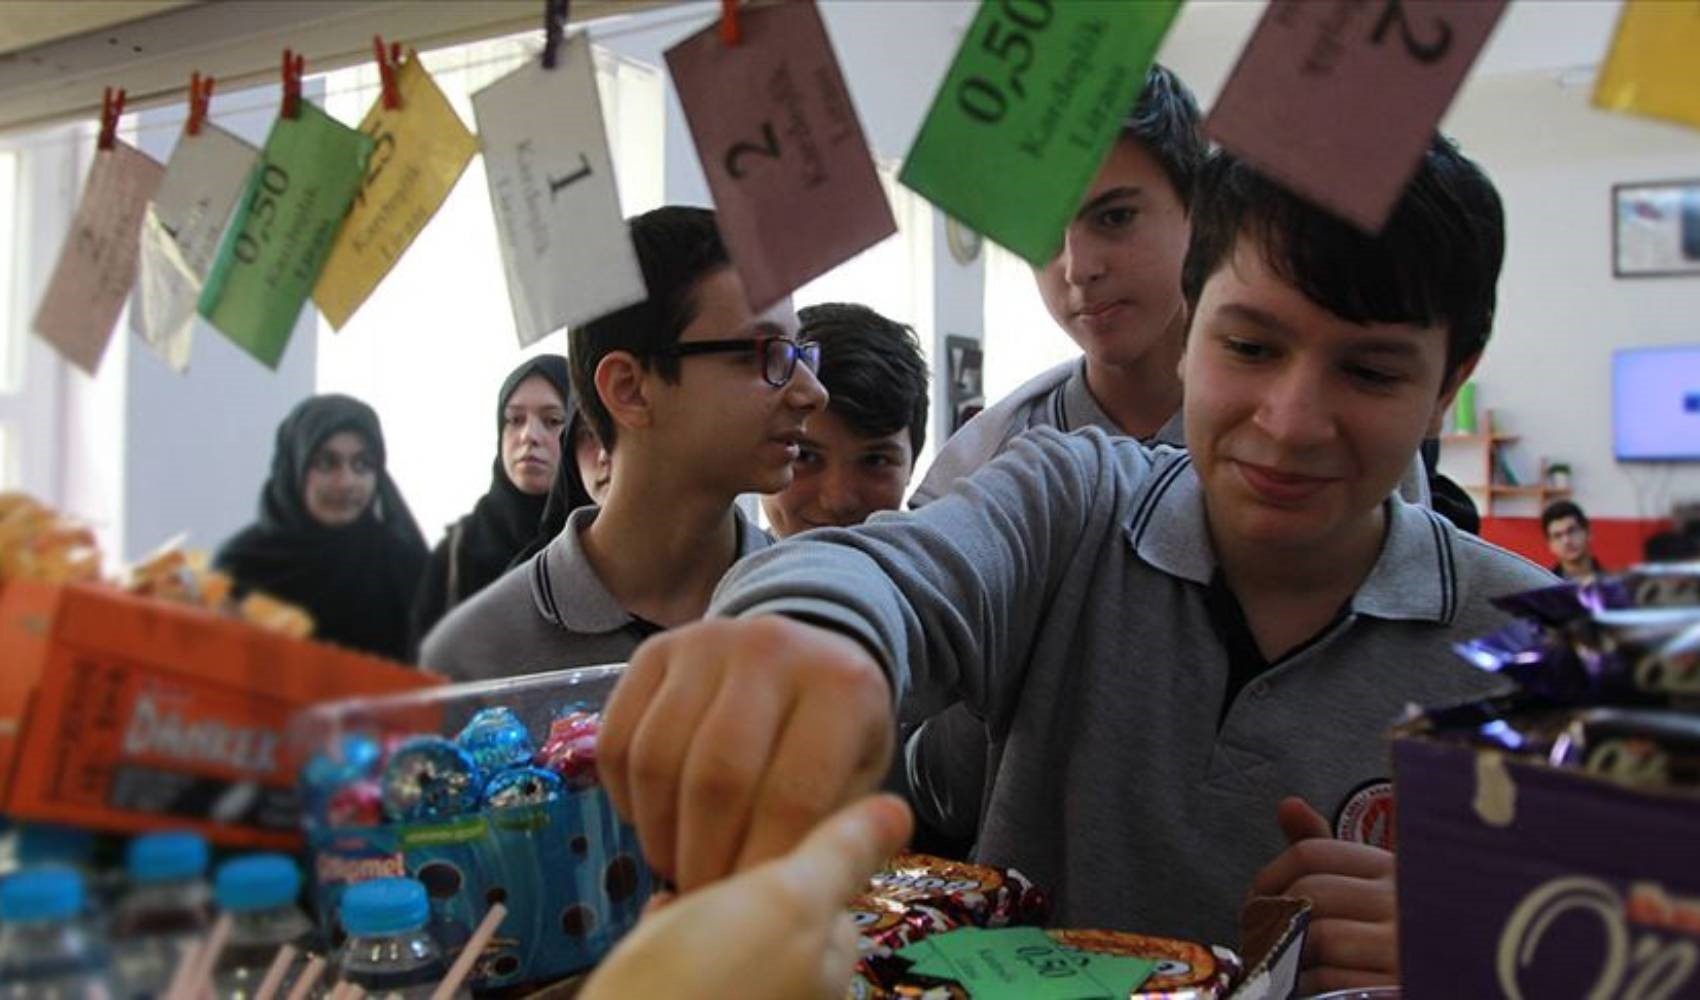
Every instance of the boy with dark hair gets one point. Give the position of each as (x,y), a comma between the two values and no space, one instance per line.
(1181,655)
(696,400)
(1568,535)
(855,458)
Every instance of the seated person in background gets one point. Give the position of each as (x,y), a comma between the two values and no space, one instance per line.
(856,457)
(1568,537)
(1182,655)
(696,400)
(533,408)
(334,535)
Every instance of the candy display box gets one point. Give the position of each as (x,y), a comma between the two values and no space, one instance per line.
(485,793)
(1521,880)
(125,714)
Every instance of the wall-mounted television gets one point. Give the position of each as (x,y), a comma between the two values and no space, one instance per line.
(1655,404)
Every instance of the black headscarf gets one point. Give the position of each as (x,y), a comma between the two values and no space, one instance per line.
(479,547)
(357,581)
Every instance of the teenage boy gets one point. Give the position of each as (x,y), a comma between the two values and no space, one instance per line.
(1182,655)
(1568,538)
(855,458)
(1115,288)
(696,400)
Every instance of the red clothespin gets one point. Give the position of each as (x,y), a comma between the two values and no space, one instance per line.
(111,107)
(554,29)
(200,97)
(730,32)
(387,63)
(292,68)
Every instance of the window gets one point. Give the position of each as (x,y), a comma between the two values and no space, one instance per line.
(1021,338)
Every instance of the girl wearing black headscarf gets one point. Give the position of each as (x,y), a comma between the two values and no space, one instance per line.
(334,535)
(534,453)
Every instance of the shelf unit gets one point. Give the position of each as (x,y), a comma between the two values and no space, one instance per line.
(1486,489)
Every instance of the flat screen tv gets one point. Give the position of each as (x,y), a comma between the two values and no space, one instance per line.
(1655,404)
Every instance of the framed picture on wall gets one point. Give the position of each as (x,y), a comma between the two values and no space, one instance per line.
(1656,229)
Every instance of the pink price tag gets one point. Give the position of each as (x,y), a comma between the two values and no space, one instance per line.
(1338,99)
(787,163)
(97,266)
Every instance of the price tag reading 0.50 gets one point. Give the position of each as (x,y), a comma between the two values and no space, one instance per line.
(262,212)
(1008,40)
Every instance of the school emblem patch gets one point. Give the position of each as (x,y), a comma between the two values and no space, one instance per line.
(1366,817)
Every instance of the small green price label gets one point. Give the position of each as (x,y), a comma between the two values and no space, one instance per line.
(1028,110)
(1024,963)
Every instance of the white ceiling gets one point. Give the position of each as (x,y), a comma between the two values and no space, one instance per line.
(24,23)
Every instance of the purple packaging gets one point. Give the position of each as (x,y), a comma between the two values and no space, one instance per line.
(1521,880)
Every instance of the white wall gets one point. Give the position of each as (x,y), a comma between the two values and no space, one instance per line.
(1547,370)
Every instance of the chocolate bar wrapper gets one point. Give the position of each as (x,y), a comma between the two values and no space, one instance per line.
(1185,970)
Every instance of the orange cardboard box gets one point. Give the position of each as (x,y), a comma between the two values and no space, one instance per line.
(126,714)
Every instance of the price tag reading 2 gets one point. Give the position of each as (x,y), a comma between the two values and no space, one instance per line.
(1338,99)
(1028,110)
(278,240)
(566,250)
(786,160)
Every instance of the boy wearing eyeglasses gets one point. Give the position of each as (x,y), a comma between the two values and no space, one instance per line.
(697,399)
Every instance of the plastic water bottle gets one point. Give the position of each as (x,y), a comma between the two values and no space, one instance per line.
(165,912)
(389,954)
(259,893)
(46,950)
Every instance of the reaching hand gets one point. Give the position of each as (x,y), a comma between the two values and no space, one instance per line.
(779,930)
(728,740)
(1353,938)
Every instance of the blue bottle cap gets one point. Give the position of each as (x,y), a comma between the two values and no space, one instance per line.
(257,882)
(166,857)
(384,906)
(51,892)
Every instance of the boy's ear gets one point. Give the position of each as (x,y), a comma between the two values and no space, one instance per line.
(621,386)
(1449,391)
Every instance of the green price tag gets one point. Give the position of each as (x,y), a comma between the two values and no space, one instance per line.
(278,238)
(1024,963)
(1028,110)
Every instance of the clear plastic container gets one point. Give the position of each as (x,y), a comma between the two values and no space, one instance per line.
(389,954)
(259,892)
(165,911)
(46,949)
(487,829)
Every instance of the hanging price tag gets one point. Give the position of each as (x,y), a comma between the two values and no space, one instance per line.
(1339,99)
(793,181)
(97,265)
(278,240)
(206,176)
(419,151)
(566,249)
(1028,111)
(1654,66)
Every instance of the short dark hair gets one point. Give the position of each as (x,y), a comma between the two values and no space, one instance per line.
(676,248)
(1165,121)
(1558,510)
(1435,262)
(872,368)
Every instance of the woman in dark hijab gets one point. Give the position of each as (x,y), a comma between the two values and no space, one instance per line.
(533,453)
(334,535)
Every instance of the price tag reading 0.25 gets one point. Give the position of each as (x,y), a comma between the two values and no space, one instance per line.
(1028,110)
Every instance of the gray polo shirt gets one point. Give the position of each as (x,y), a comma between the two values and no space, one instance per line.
(550,613)
(1060,593)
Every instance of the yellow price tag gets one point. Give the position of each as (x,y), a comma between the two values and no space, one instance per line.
(419,151)
(1654,66)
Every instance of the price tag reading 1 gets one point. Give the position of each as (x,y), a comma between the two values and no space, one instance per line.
(419,151)
(565,247)
(205,178)
(793,181)
(1654,66)
(97,265)
(278,240)
(1028,111)
(1338,99)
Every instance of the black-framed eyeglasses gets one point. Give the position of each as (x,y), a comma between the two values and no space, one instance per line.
(779,355)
